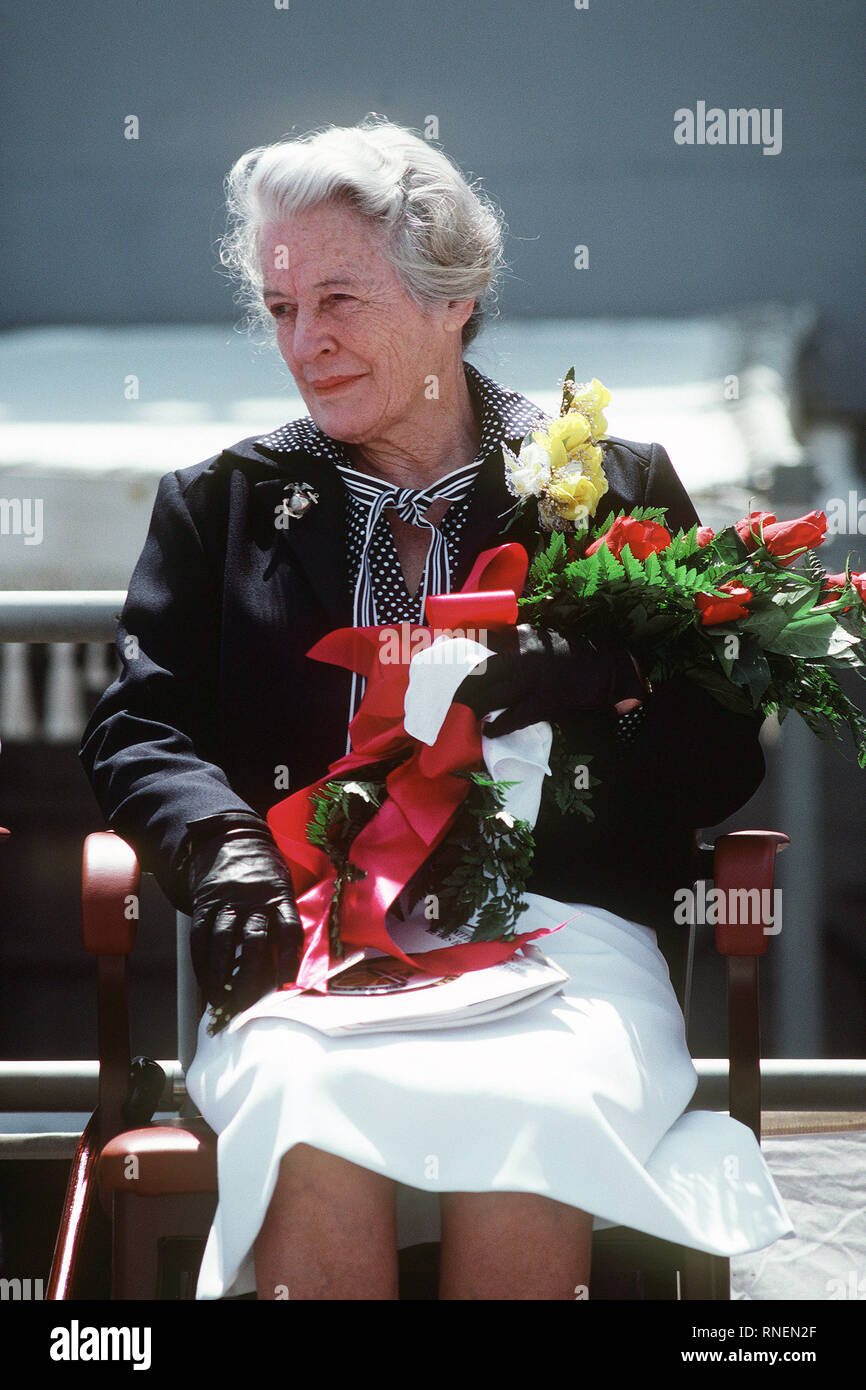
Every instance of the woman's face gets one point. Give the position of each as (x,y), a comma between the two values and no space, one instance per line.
(341,312)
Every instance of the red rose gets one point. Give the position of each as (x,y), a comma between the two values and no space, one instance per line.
(832,585)
(643,537)
(749,529)
(704,535)
(783,539)
(724,610)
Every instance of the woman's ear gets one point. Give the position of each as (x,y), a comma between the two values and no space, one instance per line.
(459,312)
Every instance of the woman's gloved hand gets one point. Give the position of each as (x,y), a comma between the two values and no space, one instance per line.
(542,675)
(246,937)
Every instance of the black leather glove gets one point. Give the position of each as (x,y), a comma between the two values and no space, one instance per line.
(541,675)
(246,936)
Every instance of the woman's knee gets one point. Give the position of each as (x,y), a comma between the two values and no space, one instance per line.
(312,1171)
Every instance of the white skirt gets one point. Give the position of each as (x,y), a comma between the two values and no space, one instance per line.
(580,1098)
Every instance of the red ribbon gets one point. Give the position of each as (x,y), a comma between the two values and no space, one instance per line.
(422,798)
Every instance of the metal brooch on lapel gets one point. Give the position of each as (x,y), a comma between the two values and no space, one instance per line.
(298,498)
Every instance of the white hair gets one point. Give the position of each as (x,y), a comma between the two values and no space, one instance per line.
(444,236)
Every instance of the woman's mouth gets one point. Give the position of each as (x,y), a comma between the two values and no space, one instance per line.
(333,383)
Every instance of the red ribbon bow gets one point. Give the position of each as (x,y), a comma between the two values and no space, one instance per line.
(422,799)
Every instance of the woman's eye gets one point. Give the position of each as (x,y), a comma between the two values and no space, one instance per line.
(279,311)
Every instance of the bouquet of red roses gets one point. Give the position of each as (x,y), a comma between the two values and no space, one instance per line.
(749,613)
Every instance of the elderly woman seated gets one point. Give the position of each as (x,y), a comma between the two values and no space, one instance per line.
(376,262)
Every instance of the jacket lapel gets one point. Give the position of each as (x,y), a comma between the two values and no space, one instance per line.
(315,542)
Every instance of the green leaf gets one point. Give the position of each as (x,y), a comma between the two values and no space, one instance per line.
(814,637)
(632,566)
(798,601)
(547,561)
(751,670)
(564,763)
(764,623)
(609,568)
(567,391)
(728,546)
(652,569)
(657,514)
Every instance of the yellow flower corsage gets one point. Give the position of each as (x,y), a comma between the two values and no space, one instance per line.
(562,466)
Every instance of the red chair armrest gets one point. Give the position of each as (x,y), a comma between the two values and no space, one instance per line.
(743,871)
(110,877)
(166,1159)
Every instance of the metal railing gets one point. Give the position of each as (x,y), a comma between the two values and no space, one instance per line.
(797,1083)
(59,615)
(60,620)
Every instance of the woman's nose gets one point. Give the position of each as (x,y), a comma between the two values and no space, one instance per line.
(310,336)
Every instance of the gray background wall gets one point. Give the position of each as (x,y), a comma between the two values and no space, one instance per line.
(566,114)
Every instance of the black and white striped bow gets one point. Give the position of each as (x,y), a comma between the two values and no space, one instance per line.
(411,504)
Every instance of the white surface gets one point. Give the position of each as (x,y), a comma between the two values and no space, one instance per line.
(822,1179)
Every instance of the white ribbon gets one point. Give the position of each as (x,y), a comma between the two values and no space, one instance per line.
(435,672)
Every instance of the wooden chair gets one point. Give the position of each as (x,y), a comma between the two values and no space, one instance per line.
(141,1196)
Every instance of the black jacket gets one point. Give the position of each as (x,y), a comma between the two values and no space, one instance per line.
(217,707)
